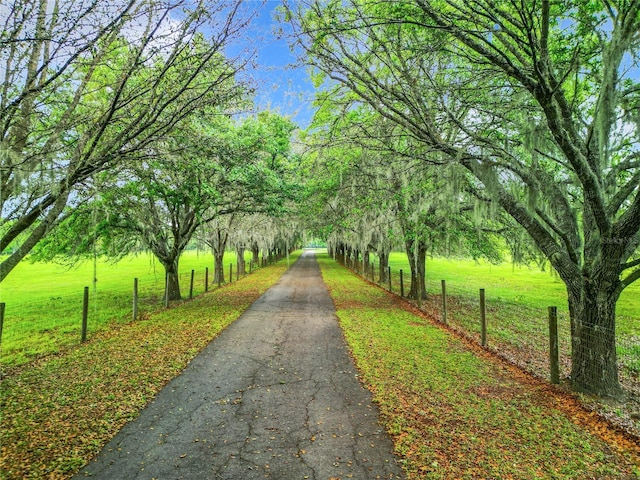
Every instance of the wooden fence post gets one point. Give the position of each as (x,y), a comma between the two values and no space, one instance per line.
(85,314)
(231,273)
(401,284)
(389,270)
(191,285)
(483,319)
(135,299)
(444,301)
(206,279)
(554,360)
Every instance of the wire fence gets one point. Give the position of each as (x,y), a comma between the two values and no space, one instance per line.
(514,331)
(47,323)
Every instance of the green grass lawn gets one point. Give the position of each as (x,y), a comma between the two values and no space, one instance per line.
(59,410)
(44,300)
(517,299)
(528,286)
(455,413)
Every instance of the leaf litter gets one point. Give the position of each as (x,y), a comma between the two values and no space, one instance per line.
(58,411)
(457,410)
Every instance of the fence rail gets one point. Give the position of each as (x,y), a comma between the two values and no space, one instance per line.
(57,321)
(527,342)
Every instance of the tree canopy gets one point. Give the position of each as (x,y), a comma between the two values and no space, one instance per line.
(439,125)
(88,86)
(537,101)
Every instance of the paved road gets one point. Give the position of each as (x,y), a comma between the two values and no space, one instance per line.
(276,395)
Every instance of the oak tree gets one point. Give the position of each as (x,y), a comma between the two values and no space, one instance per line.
(88,86)
(544,102)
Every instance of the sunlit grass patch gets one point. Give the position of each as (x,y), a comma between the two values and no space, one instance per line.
(58,411)
(528,288)
(44,300)
(452,413)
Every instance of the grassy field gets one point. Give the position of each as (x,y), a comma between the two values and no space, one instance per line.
(44,300)
(522,285)
(517,300)
(58,411)
(455,411)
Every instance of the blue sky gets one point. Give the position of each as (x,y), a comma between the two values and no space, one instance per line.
(280,86)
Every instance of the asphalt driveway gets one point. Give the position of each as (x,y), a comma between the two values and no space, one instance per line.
(276,395)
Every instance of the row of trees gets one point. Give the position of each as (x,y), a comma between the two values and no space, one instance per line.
(372,197)
(213,178)
(123,126)
(440,124)
(527,110)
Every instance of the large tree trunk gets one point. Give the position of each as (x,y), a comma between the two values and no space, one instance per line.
(218,266)
(594,362)
(365,263)
(240,258)
(255,251)
(384,265)
(218,245)
(417,255)
(172,288)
